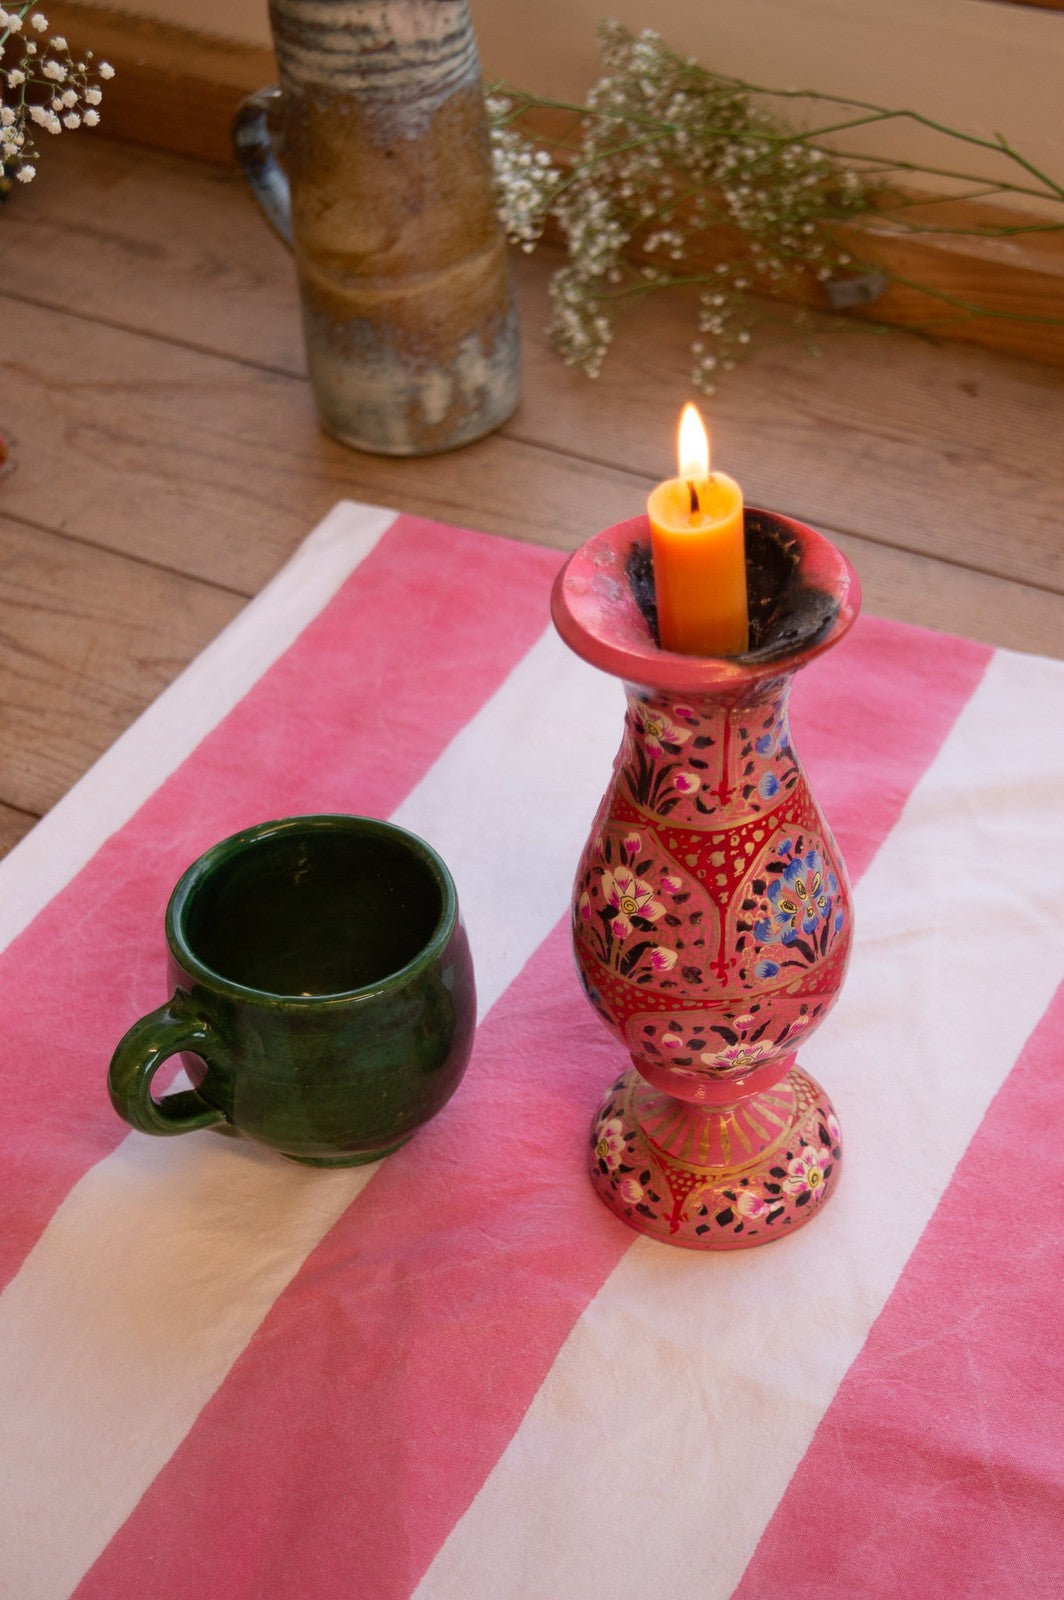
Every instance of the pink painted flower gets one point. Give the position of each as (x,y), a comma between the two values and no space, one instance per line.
(806,1172)
(744,1022)
(687,713)
(630,1190)
(671,882)
(661,735)
(630,897)
(583,906)
(736,1056)
(671,1041)
(686,782)
(750,1204)
(610,1146)
(833,1128)
(631,844)
(662,960)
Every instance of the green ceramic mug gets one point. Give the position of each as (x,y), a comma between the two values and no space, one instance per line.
(323,997)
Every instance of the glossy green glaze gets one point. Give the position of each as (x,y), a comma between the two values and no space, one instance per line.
(324,999)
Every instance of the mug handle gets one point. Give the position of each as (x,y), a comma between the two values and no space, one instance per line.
(176,1026)
(255,144)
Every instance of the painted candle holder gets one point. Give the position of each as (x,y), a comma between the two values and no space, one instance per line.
(712,915)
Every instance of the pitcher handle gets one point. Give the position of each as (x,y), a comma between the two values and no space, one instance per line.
(255,144)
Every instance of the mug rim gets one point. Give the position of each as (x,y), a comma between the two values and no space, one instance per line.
(211,860)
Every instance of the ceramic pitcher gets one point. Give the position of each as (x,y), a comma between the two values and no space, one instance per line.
(384,192)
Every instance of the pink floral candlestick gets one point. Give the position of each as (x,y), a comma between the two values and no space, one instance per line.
(711,911)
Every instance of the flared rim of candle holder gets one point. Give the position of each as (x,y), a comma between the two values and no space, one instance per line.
(603,617)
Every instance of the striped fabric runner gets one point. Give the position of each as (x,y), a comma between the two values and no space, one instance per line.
(455,1374)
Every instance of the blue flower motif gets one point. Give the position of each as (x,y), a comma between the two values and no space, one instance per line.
(801,897)
(768,786)
(785,847)
(777,739)
(766,969)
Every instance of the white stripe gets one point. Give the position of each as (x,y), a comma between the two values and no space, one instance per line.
(156,1271)
(510,803)
(173,725)
(668,1428)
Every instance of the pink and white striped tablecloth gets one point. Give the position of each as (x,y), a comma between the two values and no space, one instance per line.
(455,1374)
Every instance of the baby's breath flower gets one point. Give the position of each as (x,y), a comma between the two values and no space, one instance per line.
(105,69)
(52,88)
(667,159)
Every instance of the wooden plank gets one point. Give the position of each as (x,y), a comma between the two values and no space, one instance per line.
(940,449)
(157,243)
(164,70)
(87,640)
(951,599)
(14,825)
(215,469)
(194,468)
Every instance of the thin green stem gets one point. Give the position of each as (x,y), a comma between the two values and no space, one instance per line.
(973,309)
(809,137)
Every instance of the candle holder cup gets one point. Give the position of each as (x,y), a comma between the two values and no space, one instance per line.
(711,914)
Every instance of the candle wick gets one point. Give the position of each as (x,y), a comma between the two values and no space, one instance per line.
(693,492)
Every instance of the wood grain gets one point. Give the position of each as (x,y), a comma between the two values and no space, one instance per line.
(936,449)
(214,469)
(87,640)
(14,825)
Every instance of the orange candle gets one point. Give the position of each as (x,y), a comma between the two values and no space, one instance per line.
(698,549)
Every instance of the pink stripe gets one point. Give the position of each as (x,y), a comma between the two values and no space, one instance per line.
(383,1385)
(383,679)
(939,1469)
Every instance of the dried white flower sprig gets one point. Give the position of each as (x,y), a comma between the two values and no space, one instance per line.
(669,165)
(43,87)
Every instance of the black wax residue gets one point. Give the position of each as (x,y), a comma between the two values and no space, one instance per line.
(786,613)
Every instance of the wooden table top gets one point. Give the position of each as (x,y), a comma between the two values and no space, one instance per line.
(167,459)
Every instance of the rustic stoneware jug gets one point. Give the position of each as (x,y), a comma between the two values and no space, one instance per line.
(385,195)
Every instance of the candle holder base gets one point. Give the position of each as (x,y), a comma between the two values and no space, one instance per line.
(726,1177)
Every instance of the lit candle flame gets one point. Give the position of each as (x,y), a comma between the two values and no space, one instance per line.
(693,446)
